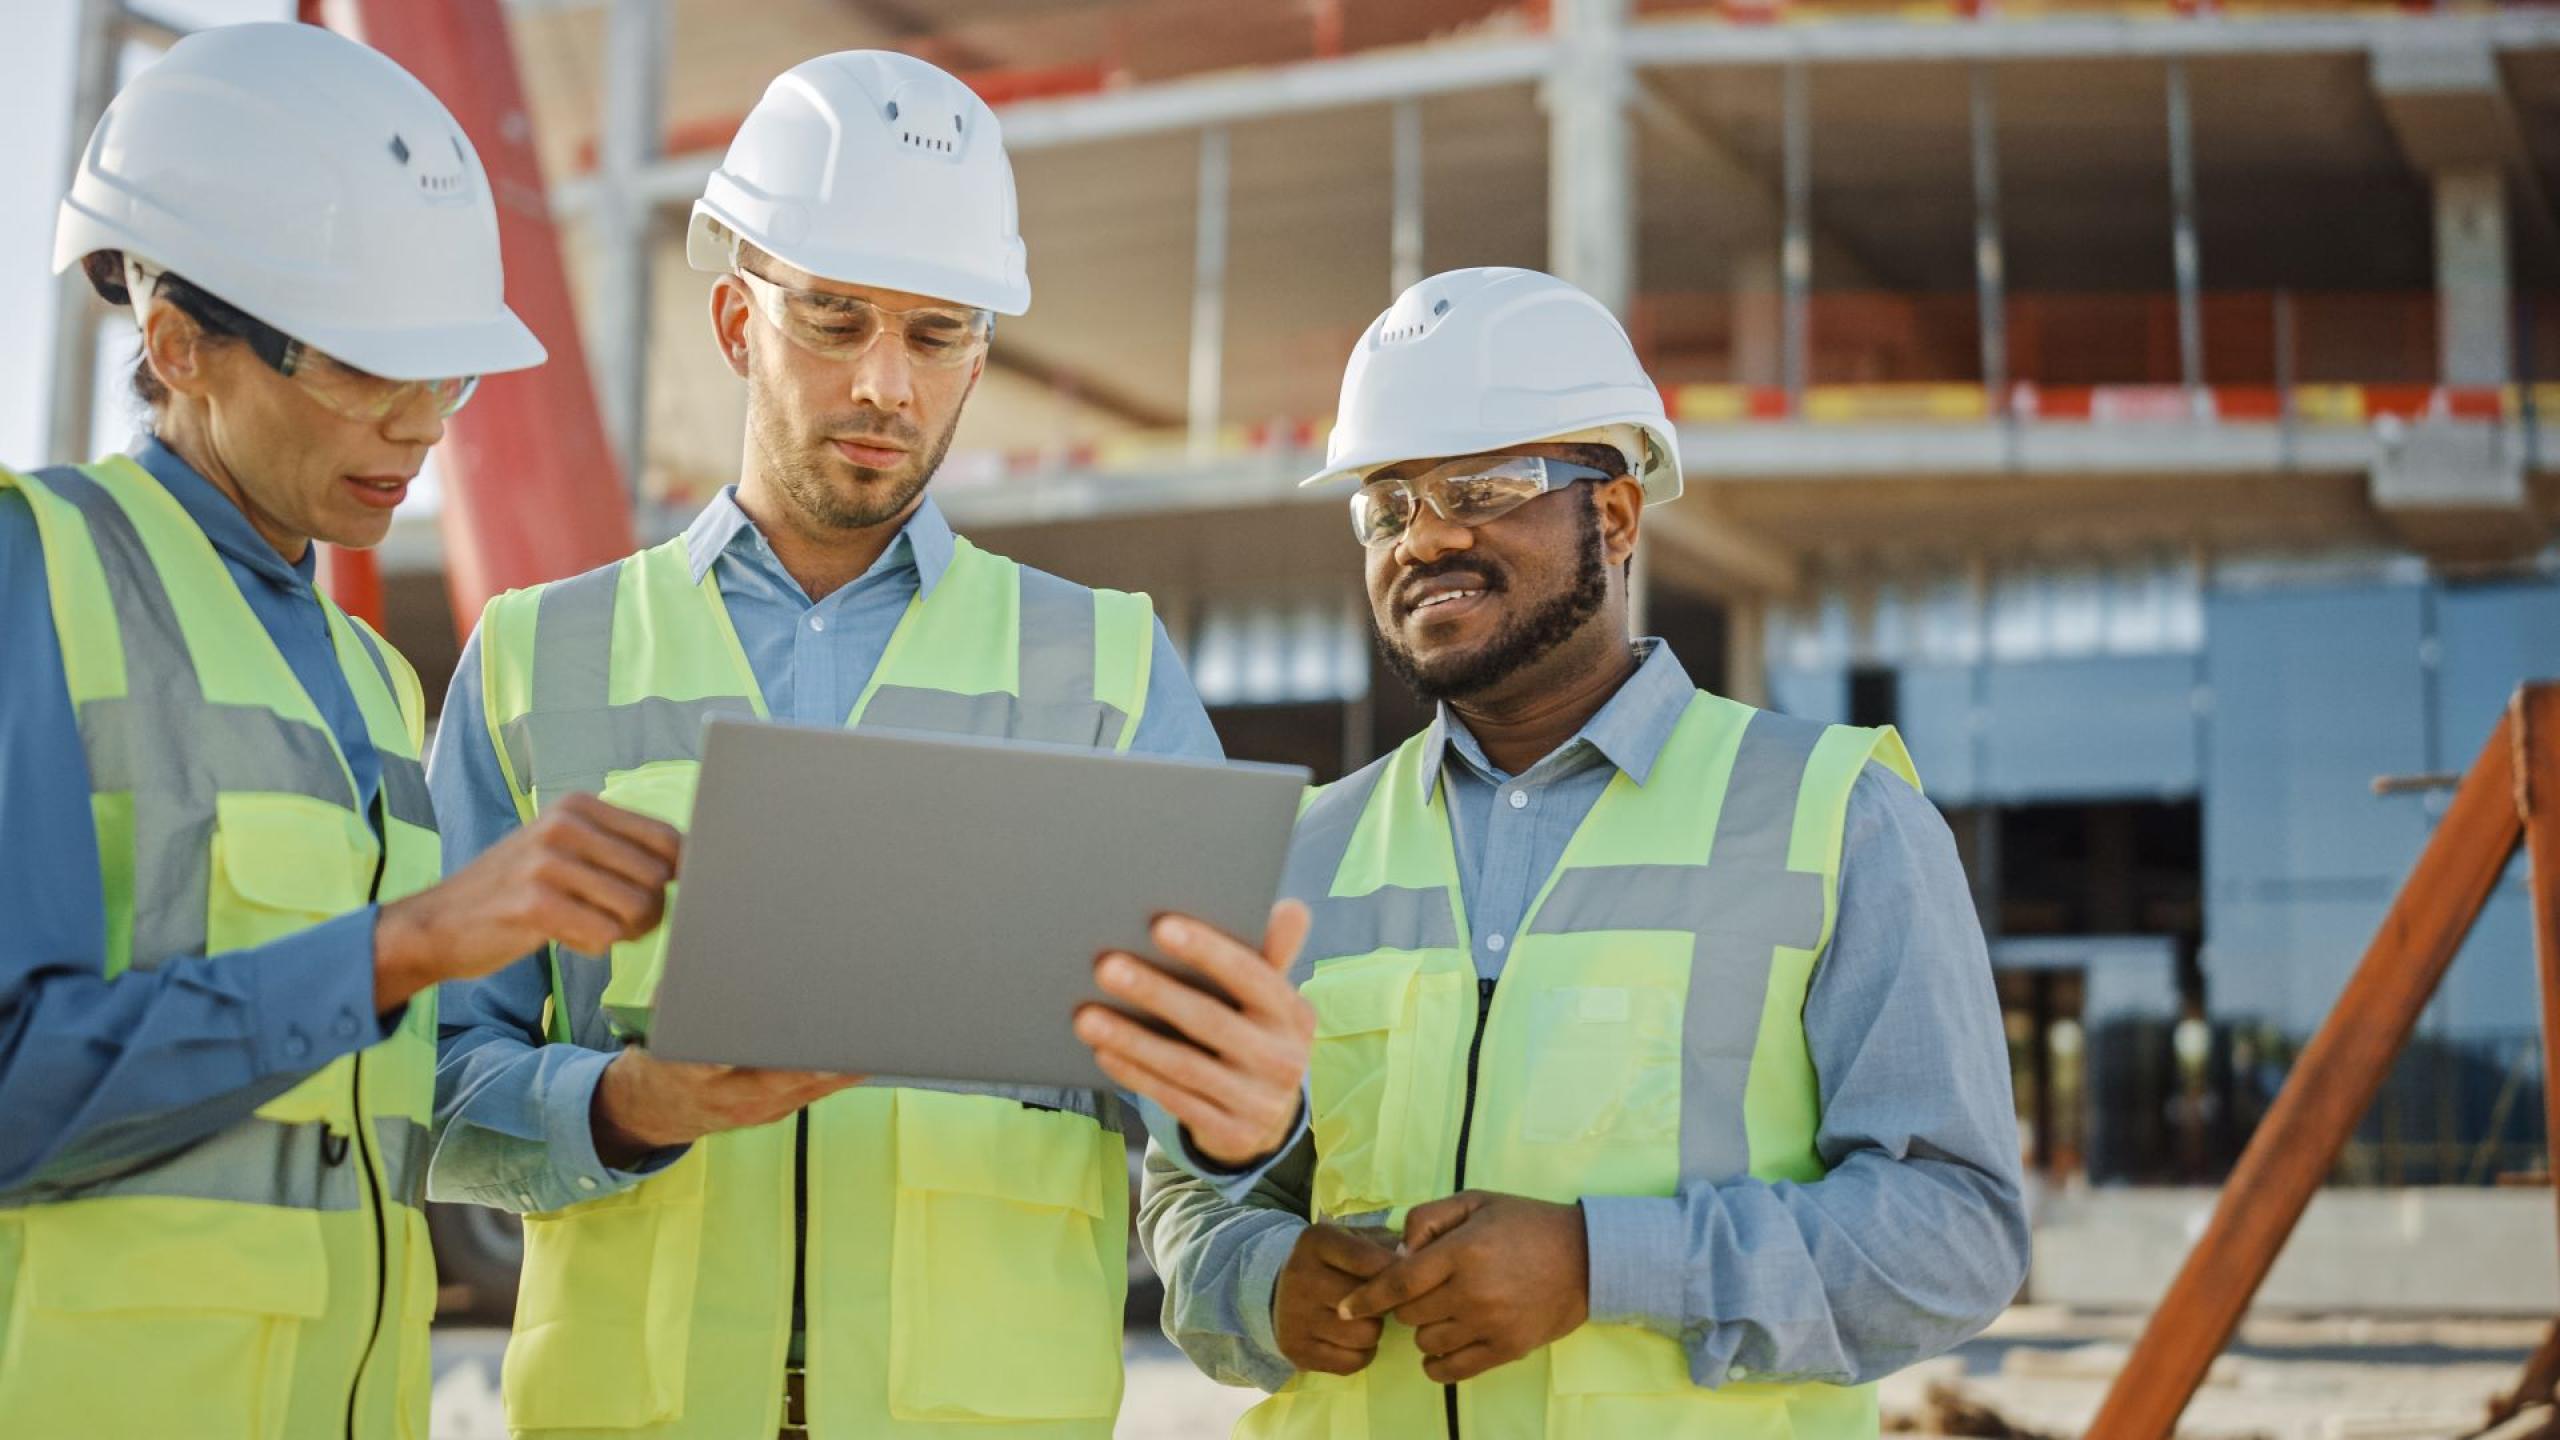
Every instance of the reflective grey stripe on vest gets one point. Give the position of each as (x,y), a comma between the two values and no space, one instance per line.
(404,780)
(1054,673)
(406,1146)
(1741,905)
(573,737)
(1390,917)
(169,746)
(255,1162)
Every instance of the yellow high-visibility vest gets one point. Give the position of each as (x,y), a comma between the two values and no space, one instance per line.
(966,1253)
(273,1281)
(1646,1033)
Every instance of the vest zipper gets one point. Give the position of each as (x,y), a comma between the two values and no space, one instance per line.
(799,1236)
(1466,1125)
(365,1156)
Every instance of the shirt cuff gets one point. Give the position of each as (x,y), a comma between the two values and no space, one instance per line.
(1234,1184)
(1635,1250)
(311,996)
(569,1130)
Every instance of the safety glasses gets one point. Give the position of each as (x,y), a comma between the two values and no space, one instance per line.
(341,388)
(845,327)
(360,395)
(1462,492)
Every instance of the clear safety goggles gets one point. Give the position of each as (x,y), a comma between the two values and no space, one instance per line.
(845,327)
(341,388)
(1463,492)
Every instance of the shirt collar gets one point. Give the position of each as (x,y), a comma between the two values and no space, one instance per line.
(924,543)
(1628,731)
(222,520)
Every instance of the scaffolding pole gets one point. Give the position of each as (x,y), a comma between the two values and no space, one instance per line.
(1209,294)
(1795,253)
(1404,245)
(621,228)
(72,402)
(2183,249)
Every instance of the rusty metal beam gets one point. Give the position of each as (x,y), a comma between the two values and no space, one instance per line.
(2536,717)
(2332,1085)
(1080,387)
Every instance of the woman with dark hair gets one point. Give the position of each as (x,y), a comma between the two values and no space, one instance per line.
(217,855)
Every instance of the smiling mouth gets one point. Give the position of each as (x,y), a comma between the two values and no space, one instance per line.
(1445,597)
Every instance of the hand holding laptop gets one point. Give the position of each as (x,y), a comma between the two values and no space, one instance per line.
(1231,1072)
(643,1103)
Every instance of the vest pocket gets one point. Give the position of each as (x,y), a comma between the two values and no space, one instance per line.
(282,863)
(209,1295)
(662,791)
(1605,1065)
(1000,1303)
(1621,1380)
(1378,1113)
(604,1313)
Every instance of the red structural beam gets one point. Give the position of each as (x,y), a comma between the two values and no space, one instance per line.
(531,488)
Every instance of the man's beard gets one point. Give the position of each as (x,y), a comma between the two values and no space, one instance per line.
(1524,641)
(806,478)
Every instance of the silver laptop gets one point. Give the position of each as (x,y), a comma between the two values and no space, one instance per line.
(875,903)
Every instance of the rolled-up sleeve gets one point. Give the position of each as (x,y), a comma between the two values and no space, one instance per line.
(1220,1259)
(1917,1237)
(514,1126)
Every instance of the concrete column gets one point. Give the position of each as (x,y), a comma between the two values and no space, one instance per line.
(624,225)
(1759,318)
(1796,252)
(1591,198)
(1404,245)
(1209,294)
(2472,276)
(1746,651)
(73,400)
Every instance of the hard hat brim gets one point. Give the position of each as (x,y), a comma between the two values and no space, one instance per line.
(705,250)
(1661,484)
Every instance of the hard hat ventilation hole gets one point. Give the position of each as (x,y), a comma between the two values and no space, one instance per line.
(893,109)
(399,150)
(1440,307)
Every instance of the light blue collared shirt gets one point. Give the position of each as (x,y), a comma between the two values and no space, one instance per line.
(99,1075)
(1913,1241)
(512,1112)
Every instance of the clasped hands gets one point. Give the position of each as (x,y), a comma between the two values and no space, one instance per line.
(1482,1278)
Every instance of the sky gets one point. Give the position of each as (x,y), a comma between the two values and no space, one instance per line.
(35,112)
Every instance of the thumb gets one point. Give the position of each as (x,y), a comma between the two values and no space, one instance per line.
(1426,1223)
(1288,932)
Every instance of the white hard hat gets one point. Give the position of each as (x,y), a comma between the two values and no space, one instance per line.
(869,167)
(1473,360)
(313,184)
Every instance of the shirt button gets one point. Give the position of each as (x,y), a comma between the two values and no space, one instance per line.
(1493,943)
(817,622)
(346,1026)
(296,1045)
(586,1182)
(1519,799)
(1738,1372)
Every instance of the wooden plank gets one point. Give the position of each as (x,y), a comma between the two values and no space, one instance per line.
(2331,1087)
